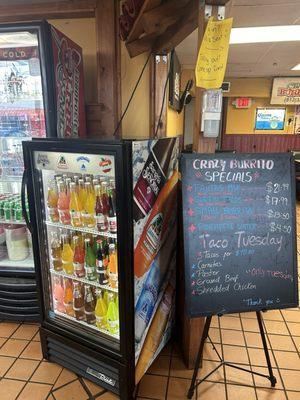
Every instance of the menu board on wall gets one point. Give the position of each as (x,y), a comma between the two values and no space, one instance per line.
(239,232)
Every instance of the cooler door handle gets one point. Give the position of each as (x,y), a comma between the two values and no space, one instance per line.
(23,199)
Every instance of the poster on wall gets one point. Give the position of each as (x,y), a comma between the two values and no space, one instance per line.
(270,119)
(286,91)
(155,186)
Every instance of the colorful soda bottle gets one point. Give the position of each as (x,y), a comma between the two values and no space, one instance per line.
(105,203)
(112,315)
(55,252)
(52,200)
(78,302)
(75,206)
(89,306)
(113,266)
(78,259)
(112,215)
(81,191)
(89,211)
(67,256)
(100,311)
(101,268)
(89,261)
(63,204)
(58,294)
(68,297)
(100,217)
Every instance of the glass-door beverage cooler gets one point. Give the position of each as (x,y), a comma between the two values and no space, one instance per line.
(104,223)
(41,95)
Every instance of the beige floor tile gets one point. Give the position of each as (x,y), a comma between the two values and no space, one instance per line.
(33,351)
(238,377)
(5,364)
(264,382)
(66,376)
(291,316)
(22,369)
(13,347)
(211,390)
(279,342)
(214,334)
(207,367)
(240,392)
(297,342)
(287,360)
(276,327)
(294,328)
(291,379)
(230,323)
(35,391)
(178,389)
(153,386)
(37,338)
(109,396)
(25,331)
(273,315)
(93,388)
(210,354)
(72,391)
(232,337)
(270,394)
(253,339)
(235,354)
(2,341)
(258,358)
(46,373)
(9,389)
(7,329)
(250,325)
(293,395)
(160,366)
(250,314)
(214,322)
(179,370)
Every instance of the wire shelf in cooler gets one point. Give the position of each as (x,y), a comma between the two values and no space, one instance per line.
(82,229)
(113,335)
(83,280)
(11,179)
(12,222)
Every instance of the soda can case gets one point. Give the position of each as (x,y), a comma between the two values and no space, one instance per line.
(126,264)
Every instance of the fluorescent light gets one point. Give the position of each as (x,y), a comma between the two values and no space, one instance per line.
(296,68)
(265,34)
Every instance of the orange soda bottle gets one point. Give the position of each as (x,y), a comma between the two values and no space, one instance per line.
(113,266)
(67,256)
(68,297)
(52,199)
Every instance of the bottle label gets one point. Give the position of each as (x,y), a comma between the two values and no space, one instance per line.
(113,324)
(99,264)
(77,266)
(78,308)
(153,235)
(52,211)
(99,319)
(100,219)
(89,312)
(113,277)
(75,214)
(54,259)
(112,224)
(66,262)
(89,270)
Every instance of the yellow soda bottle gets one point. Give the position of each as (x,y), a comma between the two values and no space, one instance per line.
(75,206)
(89,212)
(81,191)
(112,315)
(67,256)
(100,311)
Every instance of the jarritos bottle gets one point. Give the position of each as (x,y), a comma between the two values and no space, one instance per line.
(113,266)
(63,204)
(157,227)
(52,199)
(152,178)
(101,311)
(55,252)
(78,259)
(78,302)
(58,294)
(68,297)
(89,306)
(67,255)
(155,333)
(89,261)
(75,206)
(89,208)
(101,267)
(112,315)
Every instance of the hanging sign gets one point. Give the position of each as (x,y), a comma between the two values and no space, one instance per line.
(213,54)
(286,91)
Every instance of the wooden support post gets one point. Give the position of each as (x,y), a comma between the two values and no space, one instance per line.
(108,69)
(158,77)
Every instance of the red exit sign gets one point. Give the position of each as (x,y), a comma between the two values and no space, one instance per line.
(242,102)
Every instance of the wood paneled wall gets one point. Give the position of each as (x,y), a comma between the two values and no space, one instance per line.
(260,143)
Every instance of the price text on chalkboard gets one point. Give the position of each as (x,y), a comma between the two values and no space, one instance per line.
(239,232)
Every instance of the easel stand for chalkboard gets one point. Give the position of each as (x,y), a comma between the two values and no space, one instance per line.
(193,386)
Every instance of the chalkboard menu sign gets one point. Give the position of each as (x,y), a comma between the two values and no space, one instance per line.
(239,232)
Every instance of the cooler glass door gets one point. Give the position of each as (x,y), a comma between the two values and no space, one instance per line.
(77,195)
(21,117)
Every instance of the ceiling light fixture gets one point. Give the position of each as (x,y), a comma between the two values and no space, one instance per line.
(265,34)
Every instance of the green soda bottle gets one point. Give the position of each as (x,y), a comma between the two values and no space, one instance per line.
(7,211)
(89,261)
(112,315)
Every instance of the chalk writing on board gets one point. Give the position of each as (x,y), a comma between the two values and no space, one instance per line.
(239,232)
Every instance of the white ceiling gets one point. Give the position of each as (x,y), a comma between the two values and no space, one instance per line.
(260,59)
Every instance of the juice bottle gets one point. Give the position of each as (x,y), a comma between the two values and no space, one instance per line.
(89,207)
(67,256)
(105,203)
(78,259)
(89,261)
(63,204)
(113,266)
(112,315)
(78,302)
(89,306)
(99,211)
(52,199)
(75,206)
(55,252)
(58,294)
(112,215)
(101,268)
(81,192)
(100,311)
(68,297)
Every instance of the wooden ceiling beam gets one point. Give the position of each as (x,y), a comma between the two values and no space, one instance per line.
(37,11)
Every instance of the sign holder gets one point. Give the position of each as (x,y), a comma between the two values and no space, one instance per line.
(205,335)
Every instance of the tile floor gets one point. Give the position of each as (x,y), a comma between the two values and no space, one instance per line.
(24,375)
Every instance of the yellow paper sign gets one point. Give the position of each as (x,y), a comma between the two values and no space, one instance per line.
(213,54)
